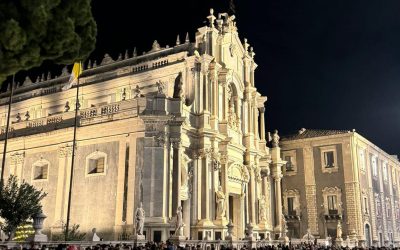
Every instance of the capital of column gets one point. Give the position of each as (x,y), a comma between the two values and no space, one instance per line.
(17,158)
(65,151)
(204,152)
(224,158)
(176,142)
(262,110)
(160,139)
(277,177)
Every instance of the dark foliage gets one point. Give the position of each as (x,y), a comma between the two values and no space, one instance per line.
(18,202)
(31,32)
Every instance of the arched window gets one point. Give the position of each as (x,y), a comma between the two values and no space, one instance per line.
(40,170)
(96,163)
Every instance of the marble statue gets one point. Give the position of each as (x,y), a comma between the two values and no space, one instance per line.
(179,222)
(178,88)
(220,199)
(137,92)
(275,139)
(66,107)
(95,236)
(18,117)
(262,208)
(139,219)
(308,236)
(283,221)
(160,87)
(339,230)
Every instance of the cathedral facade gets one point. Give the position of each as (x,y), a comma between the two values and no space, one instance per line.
(180,126)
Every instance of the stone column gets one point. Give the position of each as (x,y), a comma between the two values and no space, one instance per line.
(226,104)
(196,189)
(252,209)
(206,188)
(216,95)
(255,123)
(186,217)
(224,180)
(278,204)
(16,165)
(176,174)
(262,123)
(206,90)
(277,164)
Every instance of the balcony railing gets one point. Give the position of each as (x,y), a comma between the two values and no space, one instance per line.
(92,115)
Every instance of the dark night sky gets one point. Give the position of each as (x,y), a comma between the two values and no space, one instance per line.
(322,64)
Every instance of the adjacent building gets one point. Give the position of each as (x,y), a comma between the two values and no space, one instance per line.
(175,126)
(337,179)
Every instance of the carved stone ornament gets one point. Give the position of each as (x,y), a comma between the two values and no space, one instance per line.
(160,87)
(17,158)
(106,60)
(176,142)
(65,151)
(160,139)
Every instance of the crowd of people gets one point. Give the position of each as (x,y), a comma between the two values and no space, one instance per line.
(169,246)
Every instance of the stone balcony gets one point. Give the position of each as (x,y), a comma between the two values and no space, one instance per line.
(89,116)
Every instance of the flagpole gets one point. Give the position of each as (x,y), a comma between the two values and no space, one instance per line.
(7,128)
(73,156)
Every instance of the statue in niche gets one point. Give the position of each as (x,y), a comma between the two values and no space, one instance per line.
(262,203)
(139,219)
(220,199)
(179,222)
(178,87)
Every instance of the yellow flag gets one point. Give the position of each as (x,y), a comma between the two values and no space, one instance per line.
(76,72)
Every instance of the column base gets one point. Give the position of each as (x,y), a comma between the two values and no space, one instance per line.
(178,240)
(205,223)
(221,222)
(139,240)
(339,242)
(285,240)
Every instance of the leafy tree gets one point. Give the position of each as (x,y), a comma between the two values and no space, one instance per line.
(34,31)
(73,234)
(18,203)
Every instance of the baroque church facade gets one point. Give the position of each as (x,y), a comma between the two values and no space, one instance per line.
(176,126)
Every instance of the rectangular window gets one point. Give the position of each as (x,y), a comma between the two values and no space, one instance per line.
(332,204)
(374,166)
(290,204)
(289,163)
(378,207)
(329,159)
(362,160)
(365,205)
(41,172)
(96,166)
(388,210)
(385,173)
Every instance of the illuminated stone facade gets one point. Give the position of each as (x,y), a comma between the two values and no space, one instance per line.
(176,126)
(335,175)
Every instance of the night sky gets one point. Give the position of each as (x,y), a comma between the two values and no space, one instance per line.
(322,64)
